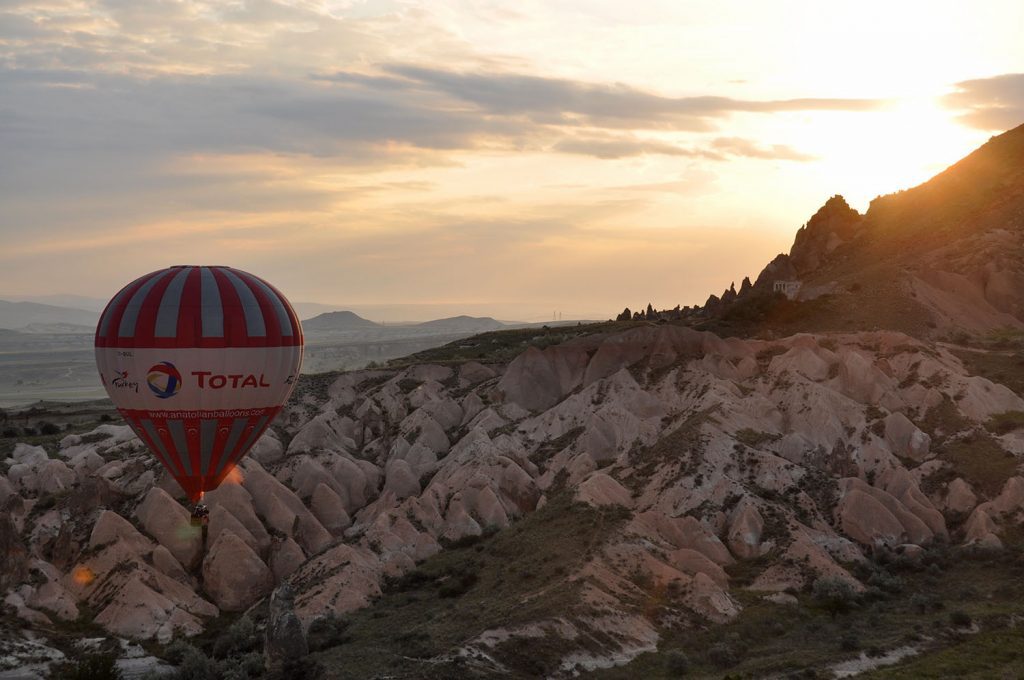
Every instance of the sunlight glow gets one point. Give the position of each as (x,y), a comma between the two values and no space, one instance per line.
(234,476)
(83,575)
(866,155)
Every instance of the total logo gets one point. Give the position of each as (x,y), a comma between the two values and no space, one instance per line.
(215,381)
(164,380)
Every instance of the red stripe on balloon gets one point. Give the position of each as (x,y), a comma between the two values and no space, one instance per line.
(169,465)
(190,311)
(235,332)
(145,323)
(248,436)
(271,326)
(219,441)
(110,339)
(296,325)
(140,432)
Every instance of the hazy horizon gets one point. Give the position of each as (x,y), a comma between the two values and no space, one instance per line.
(396,313)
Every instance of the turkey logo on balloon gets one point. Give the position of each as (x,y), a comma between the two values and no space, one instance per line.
(199,360)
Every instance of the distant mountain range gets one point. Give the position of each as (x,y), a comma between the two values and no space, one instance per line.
(475,324)
(35,317)
(91,304)
(332,322)
(338,321)
(18,315)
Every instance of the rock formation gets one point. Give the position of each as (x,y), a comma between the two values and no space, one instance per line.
(285,638)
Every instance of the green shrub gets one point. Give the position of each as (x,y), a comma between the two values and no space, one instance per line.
(677,663)
(723,655)
(326,632)
(193,664)
(457,585)
(176,651)
(297,669)
(48,428)
(960,618)
(886,582)
(835,595)
(247,667)
(1006,422)
(239,638)
(92,667)
(754,438)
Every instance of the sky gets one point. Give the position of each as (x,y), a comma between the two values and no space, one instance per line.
(513,159)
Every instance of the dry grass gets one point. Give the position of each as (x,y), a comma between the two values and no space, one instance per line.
(516,576)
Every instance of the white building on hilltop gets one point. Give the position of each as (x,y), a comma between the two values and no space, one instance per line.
(787,288)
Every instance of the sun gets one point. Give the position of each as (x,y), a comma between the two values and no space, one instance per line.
(899,146)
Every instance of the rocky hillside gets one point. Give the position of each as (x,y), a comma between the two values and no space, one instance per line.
(594,475)
(942,258)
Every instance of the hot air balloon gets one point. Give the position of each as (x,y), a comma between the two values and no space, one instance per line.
(199,360)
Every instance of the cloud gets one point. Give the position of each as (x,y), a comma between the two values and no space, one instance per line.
(58,126)
(737,146)
(99,148)
(995,103)
(566,102)
(612,146)
(623,146)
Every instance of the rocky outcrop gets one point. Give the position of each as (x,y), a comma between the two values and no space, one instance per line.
(905,439)
(285,638)
(234,575)
(167,522)
(600,489)
(285,557)
(538,379)
(138,611)
(329,509)
(960,498)
(745,531)
(111,527)
(13,554)
(834,224)
(988,519)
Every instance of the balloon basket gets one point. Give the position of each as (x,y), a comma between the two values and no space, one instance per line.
(200,516)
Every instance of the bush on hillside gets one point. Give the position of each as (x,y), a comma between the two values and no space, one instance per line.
(92,667)
(835,595)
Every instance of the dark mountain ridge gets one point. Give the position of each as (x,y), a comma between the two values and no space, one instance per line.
(338,321)
(944,257)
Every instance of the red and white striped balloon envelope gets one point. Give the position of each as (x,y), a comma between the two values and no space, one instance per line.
(199,360)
